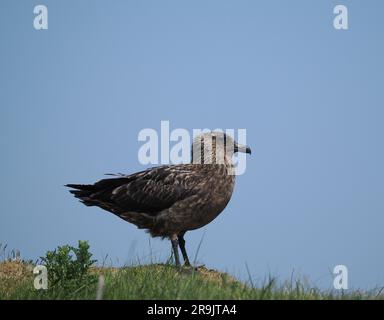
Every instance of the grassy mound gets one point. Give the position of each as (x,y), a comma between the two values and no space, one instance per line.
(158,281)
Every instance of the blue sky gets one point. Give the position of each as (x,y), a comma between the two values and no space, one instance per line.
(74,97)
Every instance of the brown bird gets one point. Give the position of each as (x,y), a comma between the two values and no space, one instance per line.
(170,200)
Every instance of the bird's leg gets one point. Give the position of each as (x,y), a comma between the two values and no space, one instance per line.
(183,251)
(175,247)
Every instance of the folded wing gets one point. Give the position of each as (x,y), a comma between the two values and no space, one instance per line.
(149,191)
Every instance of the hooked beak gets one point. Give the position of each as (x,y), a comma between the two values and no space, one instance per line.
(242,148)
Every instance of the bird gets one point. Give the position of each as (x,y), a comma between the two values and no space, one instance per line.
(170,200)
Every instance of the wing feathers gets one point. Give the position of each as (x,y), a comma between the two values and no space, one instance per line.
(149,191)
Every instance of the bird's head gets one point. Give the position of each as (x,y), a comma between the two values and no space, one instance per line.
(215,148)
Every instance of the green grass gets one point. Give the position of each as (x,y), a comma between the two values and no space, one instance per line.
(162,281)
(71,275)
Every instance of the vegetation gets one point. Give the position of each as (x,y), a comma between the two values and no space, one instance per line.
(67,274)
(72,275)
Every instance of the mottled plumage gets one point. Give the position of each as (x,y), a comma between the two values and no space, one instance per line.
(173,199)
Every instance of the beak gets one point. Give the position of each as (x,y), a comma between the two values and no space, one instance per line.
(242,148)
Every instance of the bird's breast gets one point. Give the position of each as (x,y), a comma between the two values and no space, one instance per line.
(211,197)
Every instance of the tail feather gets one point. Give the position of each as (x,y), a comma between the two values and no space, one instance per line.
(88,187)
